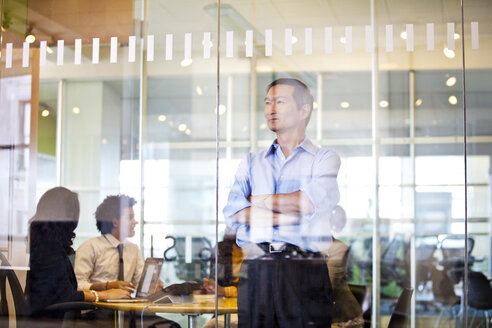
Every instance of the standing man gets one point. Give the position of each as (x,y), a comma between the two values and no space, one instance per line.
(280,205)
(110,261)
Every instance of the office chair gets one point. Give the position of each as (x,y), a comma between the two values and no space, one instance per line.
(8,275)
(399,317)
(363,295)
(479,294)
(443,292)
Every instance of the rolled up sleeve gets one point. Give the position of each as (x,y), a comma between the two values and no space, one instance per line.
(238,196)
(84,266)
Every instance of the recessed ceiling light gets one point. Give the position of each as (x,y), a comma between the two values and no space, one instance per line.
(188,132)
(345,104)
(343,40)
(30,38)
(222,109)
(315,105)
(403,35)
(262,126)
(76,110)
(449,53)
(453,100)
(418,102)
(451,81)
(456,36)
(45,113)
(186,62)
(182,127)
(384,103)
(211,43)
(294,39)
(199,90)
(162,118)
(49,50)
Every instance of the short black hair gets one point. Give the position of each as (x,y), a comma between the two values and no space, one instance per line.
(302,94)
(111,208)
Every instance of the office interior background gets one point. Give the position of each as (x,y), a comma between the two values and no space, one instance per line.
(123,96)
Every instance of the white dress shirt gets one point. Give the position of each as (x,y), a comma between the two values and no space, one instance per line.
(97,259)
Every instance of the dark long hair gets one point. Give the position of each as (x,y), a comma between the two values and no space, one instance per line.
(57,216)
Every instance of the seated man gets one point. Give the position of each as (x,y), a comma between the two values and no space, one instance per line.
(109,261)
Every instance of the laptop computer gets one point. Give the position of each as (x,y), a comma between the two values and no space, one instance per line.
(148,283)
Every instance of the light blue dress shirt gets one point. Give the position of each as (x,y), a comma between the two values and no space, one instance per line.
(310,169)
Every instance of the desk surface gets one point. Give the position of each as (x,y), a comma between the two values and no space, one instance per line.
(201,304)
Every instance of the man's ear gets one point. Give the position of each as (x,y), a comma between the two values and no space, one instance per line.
(116,223)
(306,109)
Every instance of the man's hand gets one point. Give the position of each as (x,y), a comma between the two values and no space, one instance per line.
(209,287)
(126,285)
(112,294)
(259,200)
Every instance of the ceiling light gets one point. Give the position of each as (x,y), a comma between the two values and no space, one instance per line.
(453,100)
(456,36)
(449,53)
(262,126)
(294,39)
(343,40)
(162,118)
(76,110)
(315,105)
(418,102)
(199,90)
(45,113)
(30,38)
(451,81)
(186,62)
(222,109)
(403,35)
(345,104)
(210,42)
(188,132)
(182,127)
(49,50)
(383,103)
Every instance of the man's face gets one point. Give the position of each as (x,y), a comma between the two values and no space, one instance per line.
(281,112)
(127,223)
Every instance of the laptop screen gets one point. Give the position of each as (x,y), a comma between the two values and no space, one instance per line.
(150,276)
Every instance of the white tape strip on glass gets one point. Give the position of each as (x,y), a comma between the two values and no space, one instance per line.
(77,60)
(328,40)
(169,47)
(132,42)
(150,48)
(348,39)
(230,44)
(95,51)
(268,42)
(59,52)
(25,54)
(207,45)
(289,41)
(430,36)
(308,41)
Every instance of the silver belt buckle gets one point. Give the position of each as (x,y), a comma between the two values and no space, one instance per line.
(275,247)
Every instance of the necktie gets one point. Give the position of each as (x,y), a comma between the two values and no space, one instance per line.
(121,275)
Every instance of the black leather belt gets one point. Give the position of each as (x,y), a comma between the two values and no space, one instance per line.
(286,249)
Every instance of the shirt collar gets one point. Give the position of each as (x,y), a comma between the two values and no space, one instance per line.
(112,240)
(306,144)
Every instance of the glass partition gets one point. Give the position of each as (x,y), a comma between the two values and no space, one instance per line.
(143,98)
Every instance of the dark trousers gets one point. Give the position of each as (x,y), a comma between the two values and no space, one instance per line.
(287,289)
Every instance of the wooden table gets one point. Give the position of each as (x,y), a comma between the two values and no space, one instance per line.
(201,304)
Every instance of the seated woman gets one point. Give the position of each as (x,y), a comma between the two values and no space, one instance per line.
(51,278)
